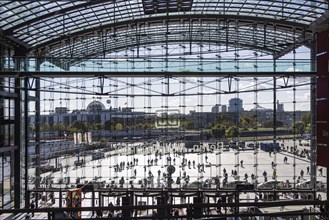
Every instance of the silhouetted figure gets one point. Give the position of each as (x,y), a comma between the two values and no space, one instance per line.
(219,207)
(176,213)
(110,211)
(265,176)
(32,205)
(285,160)
(274,174)
(246,177)
(302,173)
(99,213)
(320,172)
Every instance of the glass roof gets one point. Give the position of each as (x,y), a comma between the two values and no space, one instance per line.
(93,28)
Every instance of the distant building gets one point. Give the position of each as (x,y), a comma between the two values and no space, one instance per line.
(235,105)
(279,107)
(224,108)
(61,110)
(215,108)
(94,113)
(218,108)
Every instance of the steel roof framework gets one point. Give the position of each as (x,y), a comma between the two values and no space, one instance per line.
(89,29)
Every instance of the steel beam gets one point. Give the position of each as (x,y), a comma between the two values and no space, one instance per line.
(57,74)
(9,148)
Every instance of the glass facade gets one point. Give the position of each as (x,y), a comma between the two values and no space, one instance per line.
(187,96)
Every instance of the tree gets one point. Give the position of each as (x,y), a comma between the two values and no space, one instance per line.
(218,132)
(139,126)
(118,127)
(298,127)
(223,122)
(306,118)
(246,122)
(188,124)
(45,127)
(231,132)
(269,123)
(59,127)
(98,126)
(80,126)
(148,126)
(109,125)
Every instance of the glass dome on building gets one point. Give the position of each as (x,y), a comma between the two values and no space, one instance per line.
(95,106)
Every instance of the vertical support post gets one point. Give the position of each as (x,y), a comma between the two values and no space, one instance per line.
(16,153)
(26,141)
(313,122)
(2,129)
(274,114)
(37,127)
(236,201)
(93,201)
(20,65)
(60,197)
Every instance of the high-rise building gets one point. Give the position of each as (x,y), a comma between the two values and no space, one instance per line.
(215,108)
(235,105)
(224,108)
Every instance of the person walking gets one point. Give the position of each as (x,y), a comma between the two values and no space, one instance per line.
(302,174)
(274,174)
(265,176)
(285,160)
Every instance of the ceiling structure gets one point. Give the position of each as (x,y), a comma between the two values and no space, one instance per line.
(83,29)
